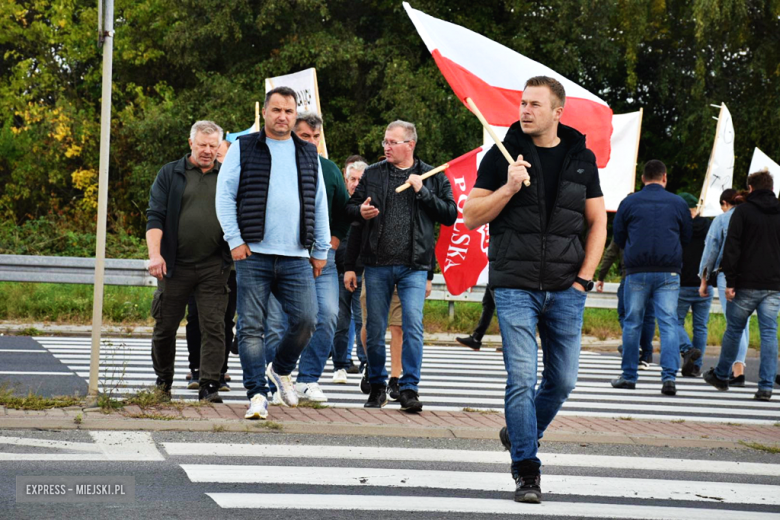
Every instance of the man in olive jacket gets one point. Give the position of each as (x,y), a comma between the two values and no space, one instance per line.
(188,255)
(397,241)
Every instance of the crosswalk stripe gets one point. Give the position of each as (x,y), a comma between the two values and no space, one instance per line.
(452,379)
(374,453)
(635,488)
(468,505)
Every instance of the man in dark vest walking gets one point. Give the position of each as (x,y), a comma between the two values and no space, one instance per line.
(272,206)
(539,269)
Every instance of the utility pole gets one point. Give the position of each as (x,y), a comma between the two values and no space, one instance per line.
(106,37)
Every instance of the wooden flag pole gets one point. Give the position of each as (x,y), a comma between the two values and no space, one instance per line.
(705,188)
(492,133)
(406,185)
(257,116)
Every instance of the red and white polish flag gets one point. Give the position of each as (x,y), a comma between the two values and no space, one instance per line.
(462,254)
(494,76)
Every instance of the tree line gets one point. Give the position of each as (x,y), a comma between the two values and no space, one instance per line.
(177,61)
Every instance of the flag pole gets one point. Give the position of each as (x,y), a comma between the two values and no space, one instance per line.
(257,116)
(706,186)
(636,150)
(406,185)
(492,133)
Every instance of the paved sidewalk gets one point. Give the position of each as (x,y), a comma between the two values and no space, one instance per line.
(385,422)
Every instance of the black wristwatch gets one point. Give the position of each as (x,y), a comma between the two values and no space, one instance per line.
(586,284)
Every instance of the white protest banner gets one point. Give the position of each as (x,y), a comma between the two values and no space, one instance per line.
(304,83)
(720,170)
(761,161)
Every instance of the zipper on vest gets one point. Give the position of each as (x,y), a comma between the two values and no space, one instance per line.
(544,254)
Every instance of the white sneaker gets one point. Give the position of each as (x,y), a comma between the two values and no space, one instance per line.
(284,386)
(340,376)
(258,408)
(310,392)
(643,365)
(276,399)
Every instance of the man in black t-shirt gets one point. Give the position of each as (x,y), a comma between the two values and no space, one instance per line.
(539,268)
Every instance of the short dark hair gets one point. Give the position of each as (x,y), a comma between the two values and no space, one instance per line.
(310,118)
(282,91)
(553,84)
(654,170)
(761,180)
(354,158)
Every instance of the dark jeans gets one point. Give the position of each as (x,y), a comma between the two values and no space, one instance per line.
(209,285)
(349,310)
(488,309)
(700,307)
(648,325)
(193,326)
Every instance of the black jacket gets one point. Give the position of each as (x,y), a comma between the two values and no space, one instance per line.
(527,250)
(433,203)
(689,277)
(751,255)
(164,208)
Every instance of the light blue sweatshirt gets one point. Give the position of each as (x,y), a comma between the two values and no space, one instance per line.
(282,234)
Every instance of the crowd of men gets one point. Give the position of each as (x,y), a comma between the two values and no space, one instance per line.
(309,256)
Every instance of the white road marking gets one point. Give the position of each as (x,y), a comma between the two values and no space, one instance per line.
(109,446)
(464,456)
(471,505)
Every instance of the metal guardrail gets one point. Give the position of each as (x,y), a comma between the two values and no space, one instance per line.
(62,269)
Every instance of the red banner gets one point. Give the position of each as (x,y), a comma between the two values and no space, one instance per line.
(462,254)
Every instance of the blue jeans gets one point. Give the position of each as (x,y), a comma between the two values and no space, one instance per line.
(379,283)
(275,329)
(290,280)
(767,305)
(558,315)
(745,339)
(700,307)
(348,325)
(316,354)
(648,326)
(664,288)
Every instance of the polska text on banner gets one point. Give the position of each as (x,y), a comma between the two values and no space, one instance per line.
(462,254)
(494,76)
(304,83)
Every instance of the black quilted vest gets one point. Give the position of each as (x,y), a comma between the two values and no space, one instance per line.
(525,251)
(253,186)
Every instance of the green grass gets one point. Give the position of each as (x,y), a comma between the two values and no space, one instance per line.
(761,447)
(153,416)
(67,303)
(32,401)
(312,404)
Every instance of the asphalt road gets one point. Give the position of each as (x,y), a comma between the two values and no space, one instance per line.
(168,488)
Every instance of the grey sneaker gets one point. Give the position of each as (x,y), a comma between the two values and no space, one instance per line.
(284,386)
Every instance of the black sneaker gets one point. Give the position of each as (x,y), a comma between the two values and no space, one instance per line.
(620,349)
(689,359)
(209,391)
(470,342)
(353,369)
(164,387)
(365,386)
(393,392)
(763,395)
(504,436)
(234,345)
(194,383)
(622,383)
(377,398)
(528,481)
(669,388)
(777,380)
(410,401)
(696,371)
(711,378)
(223,385)
(738,381)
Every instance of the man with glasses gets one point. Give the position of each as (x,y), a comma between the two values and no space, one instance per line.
(397,241)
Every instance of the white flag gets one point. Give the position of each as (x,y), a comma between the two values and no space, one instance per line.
(304,83)
(720,170)
(761,161)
